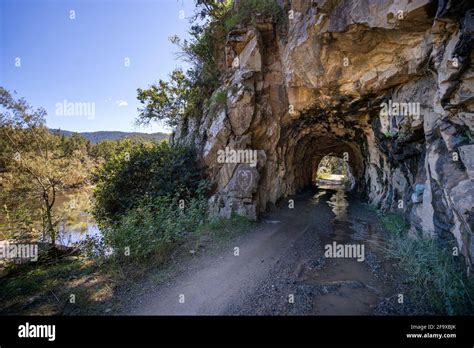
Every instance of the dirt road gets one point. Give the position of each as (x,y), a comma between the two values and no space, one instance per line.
(282,267)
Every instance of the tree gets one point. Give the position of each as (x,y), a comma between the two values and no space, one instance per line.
(37,165)
(166,101)
(183,95)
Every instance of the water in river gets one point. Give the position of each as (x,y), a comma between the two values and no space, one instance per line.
(69,237)
(75,221)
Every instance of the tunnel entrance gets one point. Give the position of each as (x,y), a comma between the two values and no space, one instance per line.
(295,102)
(333,173)
(311,149)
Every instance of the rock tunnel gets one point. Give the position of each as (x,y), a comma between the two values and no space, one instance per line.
(298,93)
(307,146)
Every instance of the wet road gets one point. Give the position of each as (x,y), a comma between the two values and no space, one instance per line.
(319,258)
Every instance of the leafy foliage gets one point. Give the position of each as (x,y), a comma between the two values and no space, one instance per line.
(183,95)
(144,171)
(332,165)
(168,101)
(247,12)
(152,225)
(437,279)
(107,149)
(36,167)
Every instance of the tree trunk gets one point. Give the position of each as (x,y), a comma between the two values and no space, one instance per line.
(49,218)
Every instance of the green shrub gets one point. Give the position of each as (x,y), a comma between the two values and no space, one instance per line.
(225,228)
(395,223)
(145,171)
(220,97)
(148,198)
(248,10)
(182,96)
(154,225)
(437,279)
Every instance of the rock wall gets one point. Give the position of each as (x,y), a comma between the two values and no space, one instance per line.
(386,85)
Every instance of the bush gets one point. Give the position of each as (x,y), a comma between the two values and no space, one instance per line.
(248,10)
(154,225)
(437,279)
(225,228)
(220,98)
(147,171)
(147,199)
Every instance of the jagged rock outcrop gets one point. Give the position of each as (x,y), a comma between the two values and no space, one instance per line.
(388,85)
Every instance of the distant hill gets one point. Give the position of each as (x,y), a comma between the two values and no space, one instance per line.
(96,137)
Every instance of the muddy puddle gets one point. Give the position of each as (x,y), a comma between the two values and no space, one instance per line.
(349,277)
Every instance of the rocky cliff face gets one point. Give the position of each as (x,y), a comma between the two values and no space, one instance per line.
(386,85)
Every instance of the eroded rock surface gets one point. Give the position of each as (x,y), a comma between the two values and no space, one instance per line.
(386,84)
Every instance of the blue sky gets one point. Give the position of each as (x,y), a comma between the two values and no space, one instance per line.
(83,60)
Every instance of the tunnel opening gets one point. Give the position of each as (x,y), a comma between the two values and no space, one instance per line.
(318,157)
(329,167)
(333,173)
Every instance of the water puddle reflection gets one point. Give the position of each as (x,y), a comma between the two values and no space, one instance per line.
(338,203)
(344,284)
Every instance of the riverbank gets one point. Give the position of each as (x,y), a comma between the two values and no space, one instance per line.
(277,266)
(74,284)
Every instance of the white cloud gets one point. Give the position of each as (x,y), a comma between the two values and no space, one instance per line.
(121,103)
